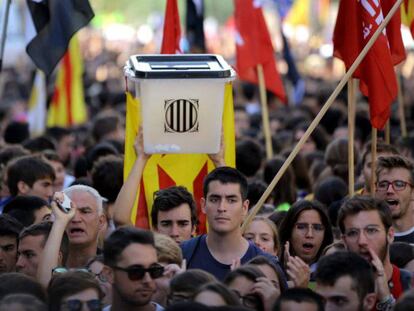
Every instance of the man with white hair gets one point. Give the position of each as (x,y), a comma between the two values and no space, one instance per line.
(84,227)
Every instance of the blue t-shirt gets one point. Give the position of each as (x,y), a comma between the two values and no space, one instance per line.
(198,256)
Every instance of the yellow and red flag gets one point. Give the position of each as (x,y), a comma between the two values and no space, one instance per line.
(165,170)
(407,14)
(68,107)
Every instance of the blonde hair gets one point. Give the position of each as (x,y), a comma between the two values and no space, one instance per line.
(272,226)
(168,250)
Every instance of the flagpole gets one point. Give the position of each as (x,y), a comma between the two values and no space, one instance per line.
(387,132)
(321,113)
(265,112)
(351,131)
(373,160)
(3,32)
(401,110)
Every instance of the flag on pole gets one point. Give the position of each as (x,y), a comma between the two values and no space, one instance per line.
(195,25)
(56,21)
(376,72)
(172,29)
(68,107)
(407,14)
(37,105)
(393,31)
(254,47)
(165,170)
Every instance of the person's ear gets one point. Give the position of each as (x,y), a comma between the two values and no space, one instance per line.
(193,230)
(101,221)
(22,187)
(245,207)
(390,235)
(203,205)
(369,301)
(108,274)
(60,259)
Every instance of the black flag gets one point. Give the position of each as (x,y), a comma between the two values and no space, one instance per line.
(194,26)
(56,21)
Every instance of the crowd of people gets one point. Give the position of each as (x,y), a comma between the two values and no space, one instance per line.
(311,246)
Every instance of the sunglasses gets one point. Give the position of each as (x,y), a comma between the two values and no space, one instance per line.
(136,273)
(76,305)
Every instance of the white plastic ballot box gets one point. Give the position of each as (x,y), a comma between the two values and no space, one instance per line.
(182,100)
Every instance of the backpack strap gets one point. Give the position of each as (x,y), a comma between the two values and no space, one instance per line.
(190,247)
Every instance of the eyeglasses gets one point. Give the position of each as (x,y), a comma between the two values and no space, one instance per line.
(369,231)
(136,273)
(250,300)
(76,305)
(100,276)
(397,185)
(304,228)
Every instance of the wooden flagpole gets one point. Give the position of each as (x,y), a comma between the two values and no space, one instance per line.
(401,110)
(373,160)
(351,131)
(265,112)
(319,116)
(387,132)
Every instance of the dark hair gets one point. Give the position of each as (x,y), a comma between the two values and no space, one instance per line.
(332,267)
(405,302)
(9,153)
(330,189)
(277,218)
(300,295)
(170,198)
(262,260)
(43,229)
(27,301)
(57,133)
(249,155)
(401,253)
(395,161)
(226,175)
(107,176)
(362,203)
(38,144)
(229,297)
(51,155)
(256,188)
(23,208)
(121,239)
(69,283)
(334,157)
(189,281)
(28,169)
(19,283)
(286,192)
(16,132)
(98,151)
(9,226)
(250,272)
(104,124)
(287,225)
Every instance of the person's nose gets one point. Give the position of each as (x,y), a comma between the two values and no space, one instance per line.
(362,239)
(174,230)
(20,263)
(309,232)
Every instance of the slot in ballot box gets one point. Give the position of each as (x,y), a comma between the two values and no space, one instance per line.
(181,99)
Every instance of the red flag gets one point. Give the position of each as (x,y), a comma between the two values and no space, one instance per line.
(393,30)
(172,29)
(254,47)
(356,23)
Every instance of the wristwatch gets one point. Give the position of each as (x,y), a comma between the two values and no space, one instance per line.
(386,304)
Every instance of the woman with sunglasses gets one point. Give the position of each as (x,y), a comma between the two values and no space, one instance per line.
(304,233)
(74,291)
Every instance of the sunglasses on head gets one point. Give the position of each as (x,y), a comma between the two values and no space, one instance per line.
(76,305)
(137,272)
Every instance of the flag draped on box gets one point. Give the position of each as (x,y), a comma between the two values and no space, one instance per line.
(37,105)
(407,14)
(68,107)
(355,24)
(195,25)
(254,47)
(172,29)
(56,21)
(162,171)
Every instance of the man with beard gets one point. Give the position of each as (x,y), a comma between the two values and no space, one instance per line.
(346,281)
(131,257)
(366,227)
(395,179)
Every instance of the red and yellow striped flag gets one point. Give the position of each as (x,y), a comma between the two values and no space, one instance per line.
(68,103)
(165,170)
(407,14)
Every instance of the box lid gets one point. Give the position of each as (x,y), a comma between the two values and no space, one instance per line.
(178,66)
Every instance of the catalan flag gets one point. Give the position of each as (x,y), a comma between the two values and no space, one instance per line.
(165,170)
(68,103)
(37,105)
